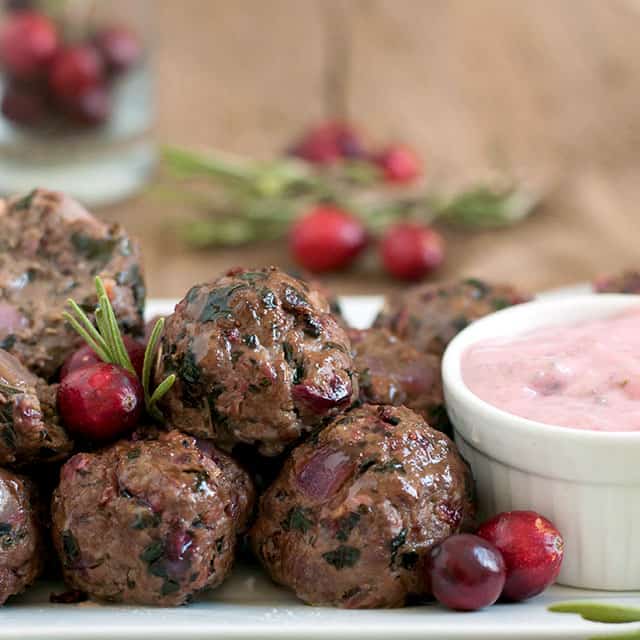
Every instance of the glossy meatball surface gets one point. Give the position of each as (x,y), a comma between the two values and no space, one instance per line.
(349,520)
(259,359)
(52,249)
(30,429)
(21,540)
(149,522)
(392,371)
(429,316)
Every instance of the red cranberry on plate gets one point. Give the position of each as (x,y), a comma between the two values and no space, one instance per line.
(411,251)
(326,239)
(399,164)
(74,71)
(28,43)
(465,572)
(100,402)
(120,48)
(532,549)
(85,356)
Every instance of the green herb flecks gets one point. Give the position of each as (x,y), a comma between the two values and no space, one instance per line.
(106,341)
(70,547)
(218,303)
(395,544)
(343,557)
(24,203)
(298,519)
(346,525)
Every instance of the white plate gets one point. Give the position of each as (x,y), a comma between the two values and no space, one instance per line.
(249,606)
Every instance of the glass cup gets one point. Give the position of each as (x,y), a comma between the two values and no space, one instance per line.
(76,105)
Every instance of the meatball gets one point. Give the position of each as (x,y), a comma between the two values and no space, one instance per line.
(429,316)
(259,359)
(354,511)
(148,522)
(391,371)
(21,540)
(52,249)
(625,282)
(30,430)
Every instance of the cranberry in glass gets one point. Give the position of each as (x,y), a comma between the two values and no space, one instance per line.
(74,71)
(120,48)
(23,105)
(465,572)
(100,402)
(28,43)
(92,107)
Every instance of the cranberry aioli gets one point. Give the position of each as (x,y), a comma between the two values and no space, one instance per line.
(583,376)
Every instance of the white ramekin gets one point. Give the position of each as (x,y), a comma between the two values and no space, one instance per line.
(586,482)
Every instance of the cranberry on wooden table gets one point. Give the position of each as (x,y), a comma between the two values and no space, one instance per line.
(399,164)
(465,572)
(28,43)
(327,238)
(532,548)
(100,402)
(329,143)
(74,71)
(410,251)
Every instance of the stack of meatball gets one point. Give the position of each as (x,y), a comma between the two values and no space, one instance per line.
(342,431)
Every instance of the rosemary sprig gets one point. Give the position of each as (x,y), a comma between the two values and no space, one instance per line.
(106,340)
(255,201)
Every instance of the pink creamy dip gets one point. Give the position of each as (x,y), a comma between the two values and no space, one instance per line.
(584,376)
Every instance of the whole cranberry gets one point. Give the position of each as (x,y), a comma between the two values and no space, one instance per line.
(532,549)
(465,572)
(410,251)
(74,71)
(28,43)
(120,48)
(329,143)
(85,357)
(100,402)
(23,105)
(326,239)
(399,164)
(92,108)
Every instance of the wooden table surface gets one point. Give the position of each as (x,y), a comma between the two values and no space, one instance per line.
(548,90)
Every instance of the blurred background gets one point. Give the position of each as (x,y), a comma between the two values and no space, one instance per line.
(543,94)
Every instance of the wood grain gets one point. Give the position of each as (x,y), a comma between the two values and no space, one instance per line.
(548,90)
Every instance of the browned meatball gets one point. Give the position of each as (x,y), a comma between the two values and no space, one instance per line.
(429,316)
(391,371)
(149,522)
(625,282)
(259,360)
(30,430)
(21,542)
(352,514)
(51,250)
